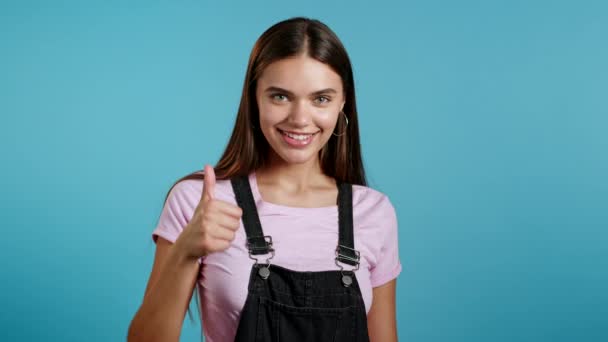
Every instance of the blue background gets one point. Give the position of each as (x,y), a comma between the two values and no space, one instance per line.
(484,121)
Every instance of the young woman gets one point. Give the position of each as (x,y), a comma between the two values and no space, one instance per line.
(283,239)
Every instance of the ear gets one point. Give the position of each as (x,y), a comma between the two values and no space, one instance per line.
(342,105)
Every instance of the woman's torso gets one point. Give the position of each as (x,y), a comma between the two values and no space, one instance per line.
(304,239)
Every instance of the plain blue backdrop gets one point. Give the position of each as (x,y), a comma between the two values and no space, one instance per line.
(484,121)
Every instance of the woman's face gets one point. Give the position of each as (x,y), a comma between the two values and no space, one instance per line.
(299,100)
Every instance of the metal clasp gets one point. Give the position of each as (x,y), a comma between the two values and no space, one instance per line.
(253,250)
(347,279)
(346,258)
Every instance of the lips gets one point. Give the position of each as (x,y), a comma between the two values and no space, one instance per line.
(297,139)
(297,135)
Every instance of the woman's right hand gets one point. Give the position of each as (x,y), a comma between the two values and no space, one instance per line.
(213,225)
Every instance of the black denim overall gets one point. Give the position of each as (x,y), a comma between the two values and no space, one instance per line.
(291,306)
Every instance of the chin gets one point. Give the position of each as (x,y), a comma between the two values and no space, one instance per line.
(297,157)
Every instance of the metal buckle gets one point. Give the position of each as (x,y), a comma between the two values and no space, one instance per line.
(251,247)
(347,257)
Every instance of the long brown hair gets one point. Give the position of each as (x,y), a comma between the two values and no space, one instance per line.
(247,149)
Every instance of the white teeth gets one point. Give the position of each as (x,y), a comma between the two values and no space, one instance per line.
(297,136)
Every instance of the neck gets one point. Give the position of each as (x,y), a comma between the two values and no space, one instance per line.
(295,177)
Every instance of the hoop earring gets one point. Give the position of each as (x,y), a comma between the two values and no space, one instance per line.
(345,130)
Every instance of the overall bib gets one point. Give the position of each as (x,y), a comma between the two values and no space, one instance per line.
(292,306)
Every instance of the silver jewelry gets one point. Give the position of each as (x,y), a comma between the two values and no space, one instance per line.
(345,130)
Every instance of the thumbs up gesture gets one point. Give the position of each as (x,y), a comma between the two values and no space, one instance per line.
(213,224)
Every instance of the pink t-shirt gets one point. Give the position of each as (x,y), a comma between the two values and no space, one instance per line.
(304,239)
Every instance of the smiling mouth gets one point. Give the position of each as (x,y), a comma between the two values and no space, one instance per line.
(297,136)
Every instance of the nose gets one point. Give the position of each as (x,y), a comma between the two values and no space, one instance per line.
(300,115)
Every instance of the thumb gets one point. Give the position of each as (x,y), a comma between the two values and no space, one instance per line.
(209,183)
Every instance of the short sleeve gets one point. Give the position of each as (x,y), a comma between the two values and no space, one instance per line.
(388,266)
(177,211)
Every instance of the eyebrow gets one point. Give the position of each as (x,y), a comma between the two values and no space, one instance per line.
(318,92)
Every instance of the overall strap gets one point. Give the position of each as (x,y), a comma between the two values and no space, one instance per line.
(345,252)
(257,243)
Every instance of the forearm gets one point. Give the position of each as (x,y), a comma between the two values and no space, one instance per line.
(162,312)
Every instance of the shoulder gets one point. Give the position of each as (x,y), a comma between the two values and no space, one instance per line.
(376,222)
(371,201)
